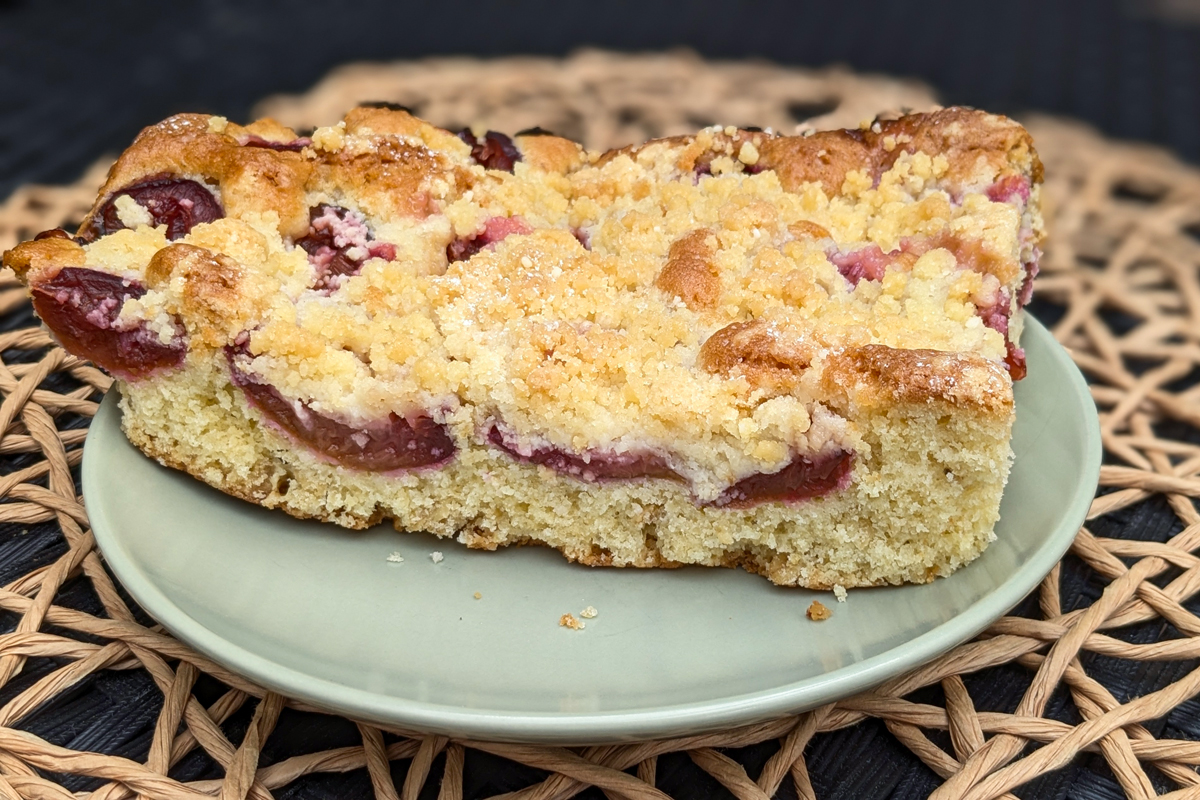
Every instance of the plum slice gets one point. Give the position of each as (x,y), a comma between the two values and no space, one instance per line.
(83,306)
(178,203)
(868,262)
(598,465)
(384,445)
(1032,268)
(1010,188)
(53,233)
(995,317)
(802,479)
(338,243)
(492,151)
(495,230)
(1014,360)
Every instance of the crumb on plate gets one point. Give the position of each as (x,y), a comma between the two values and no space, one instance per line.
(569,621)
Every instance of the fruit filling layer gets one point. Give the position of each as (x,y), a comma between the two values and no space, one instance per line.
(590,466)
(338,242)
(178,203)
(493,150)
(495,230)
(385,445)
(804,478)
(83,308)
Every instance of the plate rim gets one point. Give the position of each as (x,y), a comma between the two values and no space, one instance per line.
(619,725)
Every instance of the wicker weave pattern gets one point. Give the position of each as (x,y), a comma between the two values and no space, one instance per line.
(1122,278)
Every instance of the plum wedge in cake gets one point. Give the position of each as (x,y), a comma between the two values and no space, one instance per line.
(790,354)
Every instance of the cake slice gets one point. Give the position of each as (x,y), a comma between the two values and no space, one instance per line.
(791,354)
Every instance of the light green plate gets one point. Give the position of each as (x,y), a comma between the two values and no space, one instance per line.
(319,613)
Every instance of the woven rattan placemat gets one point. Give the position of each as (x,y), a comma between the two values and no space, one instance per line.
(1095,672)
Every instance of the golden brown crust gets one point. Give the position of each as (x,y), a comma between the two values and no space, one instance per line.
(876,376)
(213,303)
(824,158)
(972,141)
(702,149)
(550,153)
(396,177)
(978,147)
(382,121)
(391,180)
(697,151)
(254,180)
(690,273)
(30,259)
(396,122)
(265,128)
(805,229)
(181,144)
(753,350)
(632,150)
(251,180)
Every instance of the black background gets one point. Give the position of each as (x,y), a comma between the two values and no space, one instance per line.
(79,78)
